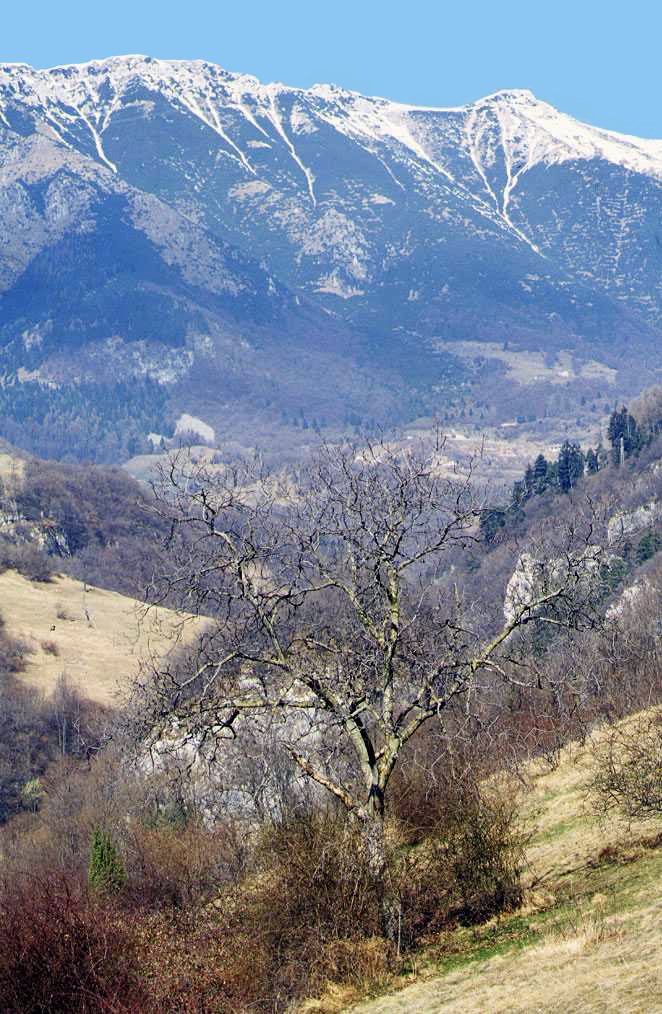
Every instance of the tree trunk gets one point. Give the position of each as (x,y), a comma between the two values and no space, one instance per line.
(388,902)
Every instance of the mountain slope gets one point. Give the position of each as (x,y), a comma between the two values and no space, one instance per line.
(98,638)
(588,939)
(179,204)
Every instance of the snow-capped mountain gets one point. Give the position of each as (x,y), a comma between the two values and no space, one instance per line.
(177,202)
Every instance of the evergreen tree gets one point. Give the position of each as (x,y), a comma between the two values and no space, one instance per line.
(623,435)
(106,871)
(647,548)
(592,463)
(529,481)
(565,473)
(519,492)
(491,521)
(540,473)
(570,466)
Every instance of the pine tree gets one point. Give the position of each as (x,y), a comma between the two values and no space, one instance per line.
(565,472)
(623,434)
(570,466)
(540,473)
(491,521)
(592,463)
(529,481)
(106,871)
(647,548)
(519,492)
(577,462)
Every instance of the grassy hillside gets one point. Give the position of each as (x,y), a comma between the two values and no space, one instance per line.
(588,939)
(96,637)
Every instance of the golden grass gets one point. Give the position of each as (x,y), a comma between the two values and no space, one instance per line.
(11,467)
(588,939)
(100,636)
(614,969)
(528,366)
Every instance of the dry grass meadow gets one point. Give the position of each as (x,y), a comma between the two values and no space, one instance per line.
(96,637)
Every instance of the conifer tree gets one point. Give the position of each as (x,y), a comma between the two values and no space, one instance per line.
(592,463)
(570,465)
(529,481)
(623,434)
(540,470)
(491,521)
(106,871)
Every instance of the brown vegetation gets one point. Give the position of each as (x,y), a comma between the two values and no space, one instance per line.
(223,909)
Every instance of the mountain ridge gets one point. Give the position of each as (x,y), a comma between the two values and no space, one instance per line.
(389,230)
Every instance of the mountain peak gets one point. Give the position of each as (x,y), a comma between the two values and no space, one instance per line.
(508,95)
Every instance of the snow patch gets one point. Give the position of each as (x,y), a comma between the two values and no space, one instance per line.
(301,122)
(244,191)
(333,285)
(191,424)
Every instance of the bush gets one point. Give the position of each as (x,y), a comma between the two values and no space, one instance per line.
(27,558)
(628,769)
(106,872)
(60,952)
(467,867)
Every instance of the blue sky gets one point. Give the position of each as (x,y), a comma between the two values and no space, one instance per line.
(596,60)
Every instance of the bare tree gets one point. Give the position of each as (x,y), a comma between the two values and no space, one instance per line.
(334,616)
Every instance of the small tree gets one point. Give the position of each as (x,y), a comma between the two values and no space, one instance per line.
(106,871)
(628,772)
(570,466)
(540,469)
(331,615)
(592,462)
(623,435)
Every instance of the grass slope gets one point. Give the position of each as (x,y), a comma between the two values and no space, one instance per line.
(99,638)
(588,939)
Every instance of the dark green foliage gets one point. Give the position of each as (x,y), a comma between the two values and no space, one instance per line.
(613,574)
(540,470)
(491,523)
(648,547)
(623,435)
(106,872)
(519,492)
(529,481)
(570,466)
(99,423)
(592,462)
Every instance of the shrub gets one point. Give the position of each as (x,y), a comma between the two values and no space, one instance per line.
(462,846)
(467,867)
(106,871)
(175,865)
(61,952)
(28,559)
(311,898)
(50,648)
(628,768)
